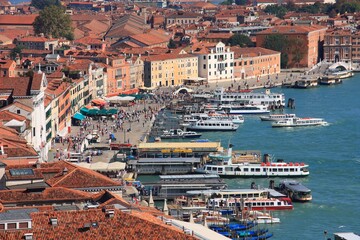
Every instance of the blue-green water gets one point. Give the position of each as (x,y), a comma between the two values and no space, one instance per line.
(333,153)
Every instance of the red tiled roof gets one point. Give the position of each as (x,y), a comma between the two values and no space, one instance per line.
(14,145)
(6,116)
(296,29)
(17,19)
(81,178)
(94,224)
(36,81)
(20,196)
(251,52)
(20,85)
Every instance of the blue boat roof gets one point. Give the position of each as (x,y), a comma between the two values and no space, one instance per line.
(295,186)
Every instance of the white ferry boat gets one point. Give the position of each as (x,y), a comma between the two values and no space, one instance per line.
(306,83)
(237,119)
(245,109)
(178,133)
(226,168)
(213,125)
(277,117)
(300,122)
(248,98)
(252,203)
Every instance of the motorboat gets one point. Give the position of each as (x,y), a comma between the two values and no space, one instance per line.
(306,83)
(213,125)
(244,109)
(295,190)
(226,167)
(329,80)
(277,117)
(262,217)
(300,122)
(341,74)
(187,119)
(178,133)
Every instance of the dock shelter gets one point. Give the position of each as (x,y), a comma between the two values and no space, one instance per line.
(178,147)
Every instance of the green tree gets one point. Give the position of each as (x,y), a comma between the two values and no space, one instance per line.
(171,43)
(279,11)
(227,2)
(278,43)
(241,2)
(41,4)
(52,21)
(241,40)
(16,51)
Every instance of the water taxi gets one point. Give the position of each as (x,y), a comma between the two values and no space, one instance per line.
(329,80)
(306,83)
(247,199)
(300,122)
(178,133)
(262,217)
(225,167)
(213,125)
(295,190)
(277,117)
(187,119)
(341,74)
(244,109)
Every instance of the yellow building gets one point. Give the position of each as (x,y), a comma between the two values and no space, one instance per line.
(169,69)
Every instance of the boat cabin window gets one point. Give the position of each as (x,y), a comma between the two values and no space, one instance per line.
(275,170)
(286,169)
(280,170)
(208,168)
(257,169)
(252,170)
(246,169)
(291,170)
(228,169)
(279,203)
(214,168)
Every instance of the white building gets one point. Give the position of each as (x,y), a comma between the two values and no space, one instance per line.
(31,106)
(215,63)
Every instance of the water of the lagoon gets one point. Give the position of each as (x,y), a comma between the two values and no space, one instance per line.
(333,153)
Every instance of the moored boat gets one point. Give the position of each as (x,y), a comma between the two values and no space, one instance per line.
(225,167)
(329,80)
(213,125)
(306,83)
(295,190)
(244,109)
(178,133)
(277,117)
(300,122)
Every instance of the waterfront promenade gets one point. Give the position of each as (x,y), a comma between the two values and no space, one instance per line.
(136,127)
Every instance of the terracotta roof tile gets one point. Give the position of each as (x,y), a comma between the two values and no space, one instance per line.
(54,194)
(17,19)
(20,85)
(94,224)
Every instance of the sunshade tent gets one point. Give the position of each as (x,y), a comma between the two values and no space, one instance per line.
(93,112)
(112,111)
(79,116)
(103,112)
(84,110)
